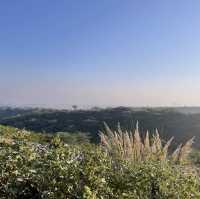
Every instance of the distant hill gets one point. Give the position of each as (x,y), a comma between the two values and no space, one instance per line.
(169,121)
(11,112)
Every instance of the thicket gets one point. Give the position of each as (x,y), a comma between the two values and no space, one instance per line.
(36,166)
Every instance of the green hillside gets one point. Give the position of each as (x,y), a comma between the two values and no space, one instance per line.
(168,121)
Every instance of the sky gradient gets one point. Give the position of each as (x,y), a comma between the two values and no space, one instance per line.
(99,53)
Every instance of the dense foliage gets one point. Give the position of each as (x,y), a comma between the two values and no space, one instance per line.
(40,166)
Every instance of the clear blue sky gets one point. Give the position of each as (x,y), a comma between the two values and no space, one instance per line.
(100,52)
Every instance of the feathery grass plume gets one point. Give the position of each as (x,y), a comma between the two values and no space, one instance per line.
(147,141)
(137,143)
(175,155)
(130,146)
(147,146)
(165,149)
(105,140)
(186,150)
(158,141)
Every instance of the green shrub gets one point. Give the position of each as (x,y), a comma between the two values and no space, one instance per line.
(74,138)
(150,180)
(56,170)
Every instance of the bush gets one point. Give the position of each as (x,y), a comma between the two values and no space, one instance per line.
(56,170)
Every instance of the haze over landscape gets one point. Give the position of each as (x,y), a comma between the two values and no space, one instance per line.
(99,99)
(99,53)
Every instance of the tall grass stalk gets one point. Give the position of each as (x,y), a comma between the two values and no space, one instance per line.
(131,146)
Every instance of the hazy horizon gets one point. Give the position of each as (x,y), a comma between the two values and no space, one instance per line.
(100,53)
(89,107)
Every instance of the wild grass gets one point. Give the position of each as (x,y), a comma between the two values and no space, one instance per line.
(133,147)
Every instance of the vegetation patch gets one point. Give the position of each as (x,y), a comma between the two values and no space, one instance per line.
(40,166)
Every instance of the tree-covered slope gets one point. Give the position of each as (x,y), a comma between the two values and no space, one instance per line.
(169,122)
